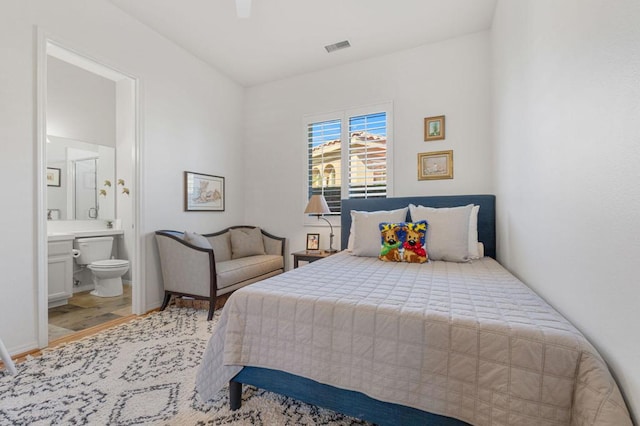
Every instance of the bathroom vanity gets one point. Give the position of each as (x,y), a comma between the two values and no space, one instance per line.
(60,269)
(61,263)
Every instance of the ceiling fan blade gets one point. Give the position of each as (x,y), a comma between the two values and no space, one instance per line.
(243,8)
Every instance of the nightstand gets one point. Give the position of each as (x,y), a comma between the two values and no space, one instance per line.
(310,256)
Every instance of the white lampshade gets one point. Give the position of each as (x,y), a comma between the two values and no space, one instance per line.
(317,205)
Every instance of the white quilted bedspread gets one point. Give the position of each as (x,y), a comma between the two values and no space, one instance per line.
(467,341)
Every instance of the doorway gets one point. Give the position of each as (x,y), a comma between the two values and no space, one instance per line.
(115,198)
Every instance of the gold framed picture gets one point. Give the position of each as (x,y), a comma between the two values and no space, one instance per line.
(435,165)
(434,128)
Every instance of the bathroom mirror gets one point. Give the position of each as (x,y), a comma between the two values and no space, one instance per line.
(86,186)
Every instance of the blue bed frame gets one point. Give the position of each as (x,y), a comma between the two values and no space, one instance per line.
(357,404)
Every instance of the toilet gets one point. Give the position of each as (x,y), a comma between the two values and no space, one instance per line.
(107,273)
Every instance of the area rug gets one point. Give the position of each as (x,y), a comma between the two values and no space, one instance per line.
(140,373)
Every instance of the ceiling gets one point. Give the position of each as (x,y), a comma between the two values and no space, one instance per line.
(283,38)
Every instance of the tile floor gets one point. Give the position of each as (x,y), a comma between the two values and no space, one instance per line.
(84,311)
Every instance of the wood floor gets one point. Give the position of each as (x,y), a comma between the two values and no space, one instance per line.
(85,311)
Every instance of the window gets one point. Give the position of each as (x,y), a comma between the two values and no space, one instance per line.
(324,158)
(361,169)
(368,156)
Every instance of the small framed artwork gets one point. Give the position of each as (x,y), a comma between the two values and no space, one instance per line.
(53,176)
(313,242)
(434,128)
(435,165)
(203,192)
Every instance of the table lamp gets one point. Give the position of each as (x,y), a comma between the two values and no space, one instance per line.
(317,206)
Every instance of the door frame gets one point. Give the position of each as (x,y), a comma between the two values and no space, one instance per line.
(46,42)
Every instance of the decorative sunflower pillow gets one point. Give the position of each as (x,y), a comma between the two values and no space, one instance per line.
(403,242)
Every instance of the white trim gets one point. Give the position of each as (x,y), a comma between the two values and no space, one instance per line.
(138,298)
(68,55)
(25,347)
(42,266)
(61,50)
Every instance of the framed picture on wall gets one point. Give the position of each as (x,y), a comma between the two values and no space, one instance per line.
(53,176)
(435,165)
(434,128)
(203,192)
(313,242)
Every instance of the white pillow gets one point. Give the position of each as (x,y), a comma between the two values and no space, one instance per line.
(364,237)
(447,231)
(476,249)
(474,252)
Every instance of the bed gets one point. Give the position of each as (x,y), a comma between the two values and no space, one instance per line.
(442,343)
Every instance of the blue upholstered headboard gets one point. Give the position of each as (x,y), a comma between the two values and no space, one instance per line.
(486,214)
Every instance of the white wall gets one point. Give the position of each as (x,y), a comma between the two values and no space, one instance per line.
(80,105)
(567,132)
(190,116)
(450,78)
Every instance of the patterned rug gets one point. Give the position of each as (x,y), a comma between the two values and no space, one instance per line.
(139,373)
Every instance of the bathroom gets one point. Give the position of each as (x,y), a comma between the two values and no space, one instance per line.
(89,168)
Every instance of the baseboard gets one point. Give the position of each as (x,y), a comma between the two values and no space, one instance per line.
(23,350)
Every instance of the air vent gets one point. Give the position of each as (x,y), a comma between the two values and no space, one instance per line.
(337,46)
